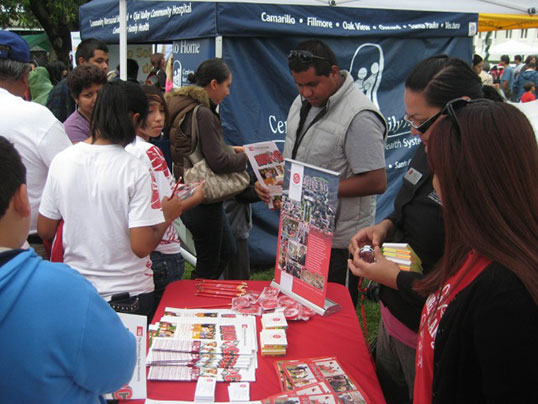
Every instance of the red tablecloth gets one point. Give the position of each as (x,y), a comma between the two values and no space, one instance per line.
(337,335)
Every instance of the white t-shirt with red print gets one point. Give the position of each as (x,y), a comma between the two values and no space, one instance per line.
(101,192)
(162,181)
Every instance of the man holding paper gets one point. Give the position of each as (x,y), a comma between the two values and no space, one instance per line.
(333,125)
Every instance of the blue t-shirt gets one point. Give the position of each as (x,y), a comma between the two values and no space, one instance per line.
(508,75)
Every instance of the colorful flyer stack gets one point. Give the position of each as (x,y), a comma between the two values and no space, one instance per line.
(316,380)
(187,344)
(273,338)
(273,342)
(403,255)
(268,166)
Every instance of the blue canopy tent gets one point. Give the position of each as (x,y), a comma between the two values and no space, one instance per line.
(379,48)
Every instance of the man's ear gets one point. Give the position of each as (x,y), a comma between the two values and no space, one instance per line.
(80,61)
(213,84)
(21,202)
(335,72)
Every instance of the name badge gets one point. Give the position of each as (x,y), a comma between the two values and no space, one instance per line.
(413,176)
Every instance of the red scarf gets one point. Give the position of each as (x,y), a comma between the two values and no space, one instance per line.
(432,313)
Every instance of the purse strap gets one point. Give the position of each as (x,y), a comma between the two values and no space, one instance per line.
(195,154)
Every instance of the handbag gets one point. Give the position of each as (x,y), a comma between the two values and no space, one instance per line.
(217,187)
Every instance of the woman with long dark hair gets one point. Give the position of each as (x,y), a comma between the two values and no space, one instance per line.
(417,220)
(479,327)
(208,224)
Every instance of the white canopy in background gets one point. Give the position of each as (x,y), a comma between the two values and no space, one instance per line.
(465,6)
(512,47)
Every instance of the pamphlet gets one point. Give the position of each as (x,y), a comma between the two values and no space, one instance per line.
(268,166)
(136,388)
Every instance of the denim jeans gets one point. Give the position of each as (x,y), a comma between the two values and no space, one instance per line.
(166,268)
(213,239)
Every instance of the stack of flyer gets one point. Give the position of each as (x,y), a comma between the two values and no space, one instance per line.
(189,343)
(273,339)
(403,255)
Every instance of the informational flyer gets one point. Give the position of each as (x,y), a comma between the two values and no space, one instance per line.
(136,388)
(307,220)
(268,166)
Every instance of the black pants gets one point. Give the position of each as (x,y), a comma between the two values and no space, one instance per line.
(213,239)
(338,272)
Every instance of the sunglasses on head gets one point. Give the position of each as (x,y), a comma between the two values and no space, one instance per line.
(303,56)
(453,105)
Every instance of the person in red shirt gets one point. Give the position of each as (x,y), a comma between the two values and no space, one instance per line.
(528,95)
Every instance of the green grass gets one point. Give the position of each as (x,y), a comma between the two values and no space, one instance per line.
(371,309)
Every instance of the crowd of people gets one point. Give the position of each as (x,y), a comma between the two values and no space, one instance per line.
(84,186)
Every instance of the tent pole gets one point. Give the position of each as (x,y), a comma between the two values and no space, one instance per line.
(218,46)
(123,39)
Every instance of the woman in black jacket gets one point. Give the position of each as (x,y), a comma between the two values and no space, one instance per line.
(479,326)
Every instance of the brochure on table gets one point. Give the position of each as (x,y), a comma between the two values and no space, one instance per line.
(307,220)
(136,388)
(268,166)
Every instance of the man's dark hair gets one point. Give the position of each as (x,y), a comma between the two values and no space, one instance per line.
(13,173)
(505,59)
(322,64)
(528,86)
(137,103)
(518,58)
(84,76)
(132,69)
(477,59)
(87,48)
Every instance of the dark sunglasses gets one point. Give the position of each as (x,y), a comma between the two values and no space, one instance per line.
(303,56)
(424,126)
(453,105)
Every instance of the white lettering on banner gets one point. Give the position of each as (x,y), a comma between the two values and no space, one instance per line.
(452,25)
(397,144)
(417,26)
(389,27)
(394,125)
(96,23)
(186,8)
(279,19)
(314,22)
(277,127)
(399,164)
(167,12)
(409,143)
(189,47)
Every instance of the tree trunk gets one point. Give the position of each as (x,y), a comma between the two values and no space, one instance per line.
(59,34)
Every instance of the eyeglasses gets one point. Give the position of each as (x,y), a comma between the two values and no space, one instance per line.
(303,56)
(453,105)
(424,126)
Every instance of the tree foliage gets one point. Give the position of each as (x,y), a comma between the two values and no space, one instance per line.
(57,17)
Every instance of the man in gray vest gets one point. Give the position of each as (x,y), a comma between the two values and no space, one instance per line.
(332,124)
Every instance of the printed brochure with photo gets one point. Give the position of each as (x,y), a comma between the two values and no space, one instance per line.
(268,166)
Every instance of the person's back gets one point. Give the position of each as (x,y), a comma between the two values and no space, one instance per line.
(40,85)
(529,75)
(38,136)
(60,341)
(100,207)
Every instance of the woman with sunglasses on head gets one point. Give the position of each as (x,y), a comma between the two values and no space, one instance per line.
(416,220)
(479,326)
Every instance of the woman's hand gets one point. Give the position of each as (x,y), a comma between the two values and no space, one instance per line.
(382,271)
(371,235)
(262,191)
(239,149)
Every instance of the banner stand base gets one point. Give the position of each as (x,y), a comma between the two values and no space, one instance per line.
(330,307)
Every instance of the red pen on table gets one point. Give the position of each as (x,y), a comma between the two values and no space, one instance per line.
(175,188)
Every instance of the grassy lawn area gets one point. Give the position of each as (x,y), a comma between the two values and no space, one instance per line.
(371,308)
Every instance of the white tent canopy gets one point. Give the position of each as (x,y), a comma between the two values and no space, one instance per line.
(465,6)
(512,47)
